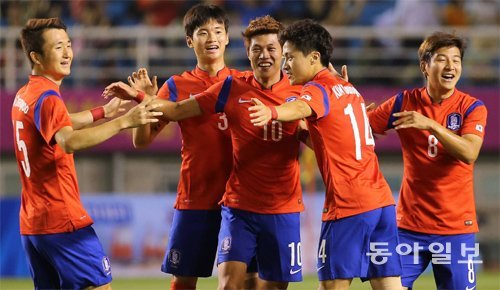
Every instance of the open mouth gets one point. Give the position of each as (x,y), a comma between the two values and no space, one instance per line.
(448,76)
(212,48)
(265,64)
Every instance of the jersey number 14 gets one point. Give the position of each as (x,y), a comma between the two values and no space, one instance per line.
(349,110)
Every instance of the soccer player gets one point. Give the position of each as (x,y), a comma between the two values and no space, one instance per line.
(206,141)
(441,131)
(263,198)
(62,248)
(359,214)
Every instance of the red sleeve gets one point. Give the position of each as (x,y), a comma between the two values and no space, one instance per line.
(209,99)
(316,97)
(475,120)
(379,118)
(53,117)
(164,92)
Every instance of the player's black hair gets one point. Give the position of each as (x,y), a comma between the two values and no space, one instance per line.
(308,36)
(32,34)
(201,14)
(438,40)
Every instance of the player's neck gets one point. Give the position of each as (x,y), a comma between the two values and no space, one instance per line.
(38,72)
(438,94)
(212,68)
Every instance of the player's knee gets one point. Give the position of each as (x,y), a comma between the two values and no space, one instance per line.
(183,283)
(102,287)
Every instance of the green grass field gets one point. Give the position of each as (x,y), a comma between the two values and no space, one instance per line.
(486,281)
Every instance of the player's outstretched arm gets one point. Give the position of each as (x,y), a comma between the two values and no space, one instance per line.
(176,111)
(71,140)
(465,148)
(87,117)
(291,111)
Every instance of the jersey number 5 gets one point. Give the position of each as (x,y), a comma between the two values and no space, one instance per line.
(355,129)
(21,146)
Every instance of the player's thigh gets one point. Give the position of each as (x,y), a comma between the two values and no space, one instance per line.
(344,245)
(193,243)
(279,247)
(383,283)
(459,271)
(232,275)
(385,260)
(43,273)
(237,237)
(78,258)
(415,256)
(337,284)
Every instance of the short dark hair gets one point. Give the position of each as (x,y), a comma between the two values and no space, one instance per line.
(438,40)
(31,34)
(308,36)
(262,25)
(201,14)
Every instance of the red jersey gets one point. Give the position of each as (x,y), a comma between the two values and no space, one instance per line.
(50,199)
(437,194)
(344,148)
(265,175)
(207,154)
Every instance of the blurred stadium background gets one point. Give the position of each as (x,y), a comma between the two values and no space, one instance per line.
(130,192)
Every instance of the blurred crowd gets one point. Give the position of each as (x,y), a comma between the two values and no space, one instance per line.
(329,12)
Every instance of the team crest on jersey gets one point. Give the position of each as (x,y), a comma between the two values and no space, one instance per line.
(291,99)
(454,121)
(225,245)
(106,265)
(174,257)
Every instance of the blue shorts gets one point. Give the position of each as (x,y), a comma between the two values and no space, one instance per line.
(193,243)
(453,258)
(72,260)
(273,238)
(363,245)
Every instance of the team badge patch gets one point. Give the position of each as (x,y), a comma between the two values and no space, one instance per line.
(226,244)
(306,97)
(174,257)
(454,121)
(106,265)
(290,99)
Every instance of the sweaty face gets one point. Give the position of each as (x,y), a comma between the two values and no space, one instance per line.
(55,63)
(444,69)
(265,53)
(296,65)
(209,41)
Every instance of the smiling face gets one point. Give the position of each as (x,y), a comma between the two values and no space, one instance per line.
(265,53)
(55,62)
(297,66)
(443,70)
(209,41)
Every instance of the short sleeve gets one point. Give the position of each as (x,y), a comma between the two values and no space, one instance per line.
(168,91)
(475,119)
(213,99)
(53,116)
(316,97)
(381,118)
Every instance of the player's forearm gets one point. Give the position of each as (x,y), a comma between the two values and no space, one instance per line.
(173,111)
(85,138)
(292,111)
(464,148)
(81,119)
(142,136)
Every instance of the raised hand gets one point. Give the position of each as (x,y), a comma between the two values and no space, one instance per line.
(119,90)
(334,72)
(141,81)
(114,107)
(261,113)
(143,113)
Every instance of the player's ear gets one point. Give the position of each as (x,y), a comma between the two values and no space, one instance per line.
(315,57)
(423,68)
(189,41)
(35,57)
